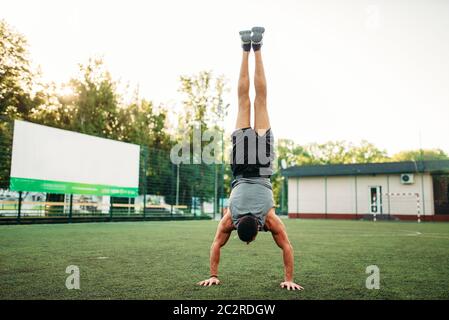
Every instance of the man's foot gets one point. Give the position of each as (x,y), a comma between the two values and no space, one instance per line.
(245,36)
(257,37)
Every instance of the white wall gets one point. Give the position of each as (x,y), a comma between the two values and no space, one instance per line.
(308,194)
(407,204)
(311,195)
(293,195)
(341,195)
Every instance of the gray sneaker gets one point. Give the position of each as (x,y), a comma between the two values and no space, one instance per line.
(245,36)
(257,37)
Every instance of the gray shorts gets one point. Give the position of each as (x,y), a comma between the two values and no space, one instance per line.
(252,196)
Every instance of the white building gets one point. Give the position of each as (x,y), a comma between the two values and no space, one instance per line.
(393,190)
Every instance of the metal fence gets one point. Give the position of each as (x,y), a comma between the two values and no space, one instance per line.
(166,191)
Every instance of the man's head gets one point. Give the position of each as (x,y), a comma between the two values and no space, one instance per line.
(247,228)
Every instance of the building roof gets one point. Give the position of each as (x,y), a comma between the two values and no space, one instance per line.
(434,166)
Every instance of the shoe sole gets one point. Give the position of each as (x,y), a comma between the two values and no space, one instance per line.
(257,34)
(245,36)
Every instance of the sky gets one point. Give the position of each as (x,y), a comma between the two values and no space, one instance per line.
(336,70)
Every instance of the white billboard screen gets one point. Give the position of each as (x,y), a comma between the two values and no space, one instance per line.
(47,159)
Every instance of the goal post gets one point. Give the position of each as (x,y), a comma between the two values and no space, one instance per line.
(413,196)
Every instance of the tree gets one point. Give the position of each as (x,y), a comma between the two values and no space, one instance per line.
(292,153)
(418,155)
(96,101)
(88,103)
(53,112)
(19,92)
(203,100)
(16,76)
(340,152)
(142,123)
(204,109)
(367,152)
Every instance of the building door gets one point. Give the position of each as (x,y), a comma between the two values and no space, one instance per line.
(375,199)
(441,193)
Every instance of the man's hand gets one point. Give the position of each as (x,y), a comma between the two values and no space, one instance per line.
(209,282)
(291,285)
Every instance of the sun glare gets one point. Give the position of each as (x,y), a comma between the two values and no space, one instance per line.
(66,91)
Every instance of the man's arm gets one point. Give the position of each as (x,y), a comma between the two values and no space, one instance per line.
(224,230)
(277,228)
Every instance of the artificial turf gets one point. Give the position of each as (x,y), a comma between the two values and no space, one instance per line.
(164,260)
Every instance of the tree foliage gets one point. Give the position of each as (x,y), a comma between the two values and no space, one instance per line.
(16,75)
(335,152)
(19,92)
(418,155)
(203,109)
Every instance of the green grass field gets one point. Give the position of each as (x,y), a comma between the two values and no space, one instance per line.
(164,260)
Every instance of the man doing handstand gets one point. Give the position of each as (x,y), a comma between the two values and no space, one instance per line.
(251,205)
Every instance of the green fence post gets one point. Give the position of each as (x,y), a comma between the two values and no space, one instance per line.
(145,166)
(110,209)
(173,190)
(19,209)
(221,203)
(194,200)
(144,204)
(215,190)
(70,208)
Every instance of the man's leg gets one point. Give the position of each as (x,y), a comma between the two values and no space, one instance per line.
(261,119)
(244,112)
(265,151)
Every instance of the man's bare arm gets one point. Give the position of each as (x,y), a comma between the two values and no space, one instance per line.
(277,228)
(222,235)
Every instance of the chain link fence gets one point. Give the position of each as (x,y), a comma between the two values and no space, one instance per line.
(166,191)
